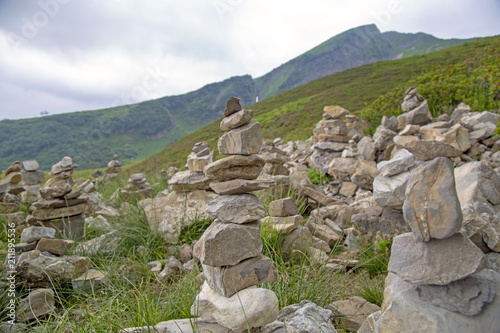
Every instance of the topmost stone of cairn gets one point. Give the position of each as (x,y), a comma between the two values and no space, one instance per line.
(232,106)
(64,165)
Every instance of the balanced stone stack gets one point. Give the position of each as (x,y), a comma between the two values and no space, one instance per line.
(10,188)
(230,249)
(32,178)
(138,187)
(275,160)
(193,179)
(114,167)
(415,108)
(62,205)
(332,135)
(437,281)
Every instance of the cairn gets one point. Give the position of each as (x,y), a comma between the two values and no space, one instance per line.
(437,281)
(62,205)
(193,179)
(32,180)
(275,160)
(230,249)
(10,188)
(114,167)
(137,187)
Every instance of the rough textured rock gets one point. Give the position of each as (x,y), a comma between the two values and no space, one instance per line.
(104,244)
(282,207)
(439,261)
(59,247)
(432,208)
(402,161)
(30,165)
(429,150)
(386,220)
(244,140)
(352,312)
(366,148)
(278,327)
(189,181)
(284,224)
(342,168)
(228,280)
(56,213)
(36,305)
(191,325)
(467,296)
(241,186)
(166,214)
(404,311)
(241,208)
(89,281)
(34,233)
(456,136)
(335,111)
(417,116)
(235,167)
(383,137)
(39,270)
(390,191)
(365,173)
(250,307)
(232,106)
(477,182)
(307,317)
(323,232)
(236,119)
(225,244)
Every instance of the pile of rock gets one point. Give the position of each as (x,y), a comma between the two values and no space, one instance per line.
(333,134)
(62,205)
(193,179)
(230,249)
(114,167)
(283,217)
(275,160)
(437,281)
(137,187)
(10,188)
(32,180)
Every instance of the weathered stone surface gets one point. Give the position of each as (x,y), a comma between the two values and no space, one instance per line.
(189,181)
(166,214)
(228,280)
(225,244)
(404,311)
(308,317)
(284,224)
(429,150)
(33,177)
(402,161)
(390,191)
(321,158)
(348,189)
(39,270)
(89,281)
(432,208)
(250,307)
(241,186)
(352,312)
(30,165)
(365,173)
(197,163)
(319,197)
(55,188)
(335,111)
(467,296)
(54,213)
(390,123)
(59,247)
(410,130)
(232,106)
(477,182)
(386,220)
(456,136)
(71,228)
(301,239)
(38,304)
(383,137)
(236,119)
(64,165)
(439,261)
(323,232)
(477,120)
(172,268)
(14,168)
(283,207)
(412,99)
(104,244)
(235,167)
(24,247)
(367,148)
(242,208)
(278,327)
(493,261)
(342,168)
(34,233)
(331,146)
(244,140)
(417,116)
(191,325)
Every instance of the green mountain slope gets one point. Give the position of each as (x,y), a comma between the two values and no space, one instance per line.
(137,131)
(293,114)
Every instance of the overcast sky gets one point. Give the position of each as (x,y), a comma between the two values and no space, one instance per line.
(70,55)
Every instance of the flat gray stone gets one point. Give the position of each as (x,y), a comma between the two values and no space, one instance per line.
(235,167)
(439,261)
(38,304)
(242,208)
(34,233)
(236,119)
(244,140)
(283,207)
(402,161)
(308,317)
(30,165)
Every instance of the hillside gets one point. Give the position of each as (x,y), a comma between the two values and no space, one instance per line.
(137,131)
(293,114)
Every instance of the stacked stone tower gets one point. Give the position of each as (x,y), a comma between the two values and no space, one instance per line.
(230,249)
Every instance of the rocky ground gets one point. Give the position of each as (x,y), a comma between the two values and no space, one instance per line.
(232,230)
